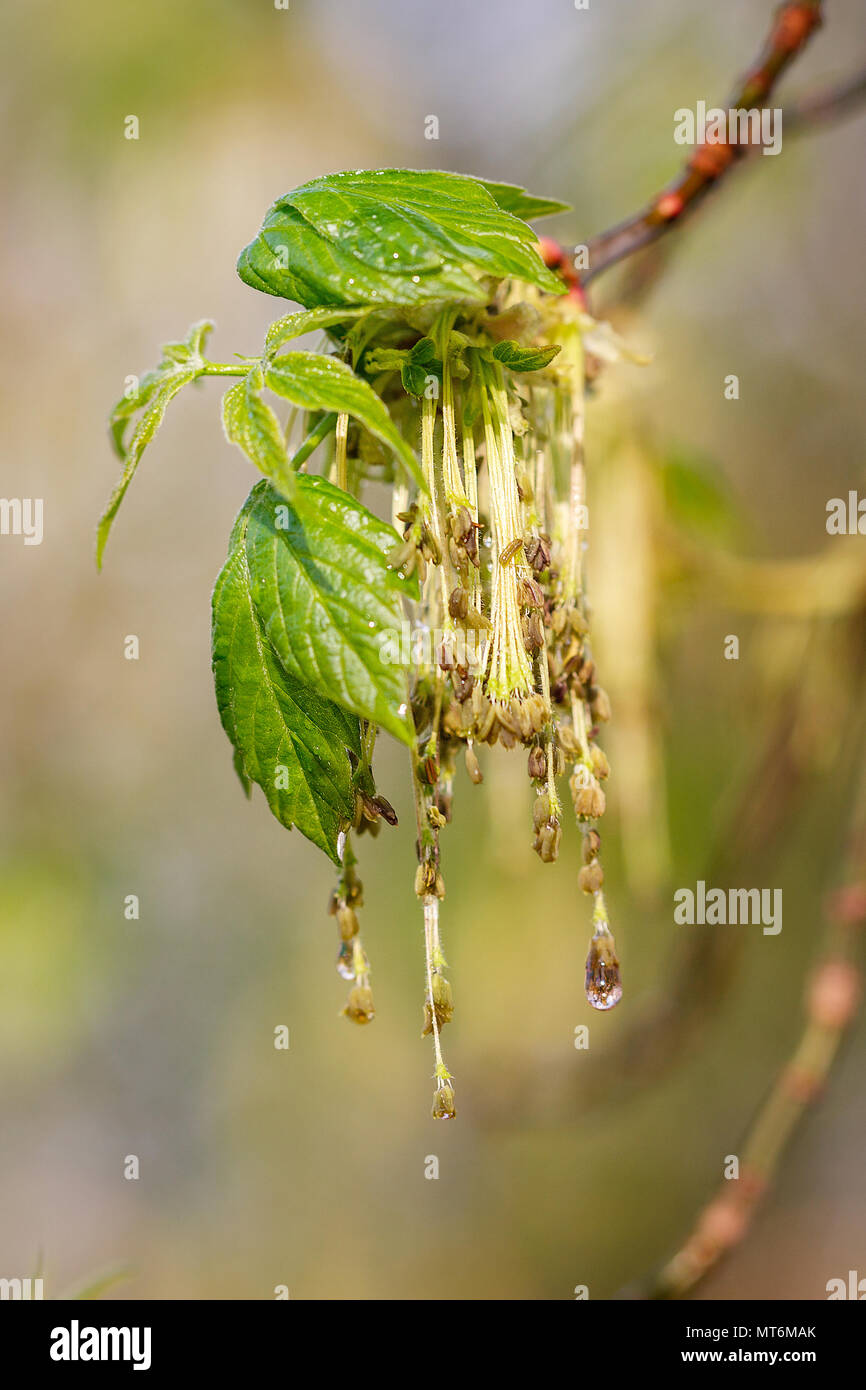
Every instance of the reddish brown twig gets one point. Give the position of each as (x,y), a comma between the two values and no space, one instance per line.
(793,25)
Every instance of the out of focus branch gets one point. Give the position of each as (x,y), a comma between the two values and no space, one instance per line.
(793,25)
(832,998)
(829,104)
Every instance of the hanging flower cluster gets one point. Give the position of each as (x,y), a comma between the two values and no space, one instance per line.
(457,374)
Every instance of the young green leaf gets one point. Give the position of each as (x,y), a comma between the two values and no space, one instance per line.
(524,359)
(288,739)
(315,381)
(327,599)
(251,424)
(522,204)
(131,402)
(306,321)
(391,236)
(168,386)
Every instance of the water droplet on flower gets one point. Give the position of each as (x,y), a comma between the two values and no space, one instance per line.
(603,984)
(346,961)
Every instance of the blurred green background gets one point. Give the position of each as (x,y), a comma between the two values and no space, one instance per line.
(155,1037)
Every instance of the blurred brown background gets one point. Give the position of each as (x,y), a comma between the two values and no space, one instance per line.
(154,1037)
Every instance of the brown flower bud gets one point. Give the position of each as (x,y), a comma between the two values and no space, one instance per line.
(533,633)
(591,845)
(591,877)
(600,764)
(531,594)
(443,1103)
(540,810)
(537,711)
(600,706)
(568,740)
(425,879)
(452,720)
(546,843)
(463,682)
(458,603)
(538,553)
(347,922)
(359,1005)
(443,1003)
(603,986)
(472,765)
(461,524)
(537,764)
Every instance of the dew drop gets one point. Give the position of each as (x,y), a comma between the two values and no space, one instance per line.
(346,961)
(603,984)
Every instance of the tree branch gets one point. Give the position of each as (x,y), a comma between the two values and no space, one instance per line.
(793,25)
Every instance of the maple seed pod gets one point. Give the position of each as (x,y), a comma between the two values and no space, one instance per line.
(472,765)
(443,1103)
(359,1006)
(347,922)
(591,877)
(537,764)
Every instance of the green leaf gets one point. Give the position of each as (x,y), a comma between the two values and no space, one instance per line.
(282,731)
(130,404)
(327,599)
(315,381)
(193,346)
(391,236)
(524,359)
(306,321)
(168,386)
(251,424)
(522,204)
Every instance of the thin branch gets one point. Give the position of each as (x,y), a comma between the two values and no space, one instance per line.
(793,25)
(832,998)
(829,104)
